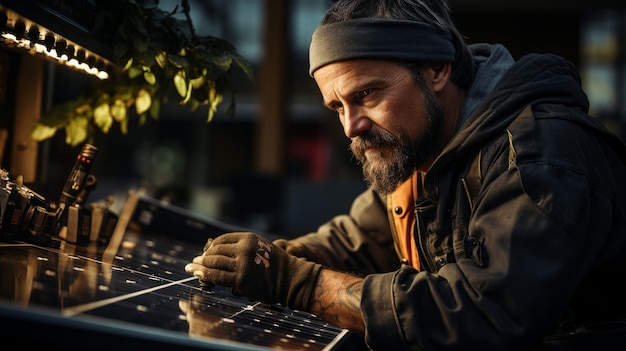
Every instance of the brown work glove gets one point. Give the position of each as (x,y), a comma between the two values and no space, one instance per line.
(252,266)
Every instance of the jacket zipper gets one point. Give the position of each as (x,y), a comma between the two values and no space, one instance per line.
(420,231)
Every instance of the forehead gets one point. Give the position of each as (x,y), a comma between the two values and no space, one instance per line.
(360,66)
(353,73)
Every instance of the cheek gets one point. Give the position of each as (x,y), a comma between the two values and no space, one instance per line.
(403,119)
(412,116)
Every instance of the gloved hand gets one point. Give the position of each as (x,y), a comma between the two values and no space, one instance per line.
(252,266)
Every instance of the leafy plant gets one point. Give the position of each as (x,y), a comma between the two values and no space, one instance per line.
(157,52)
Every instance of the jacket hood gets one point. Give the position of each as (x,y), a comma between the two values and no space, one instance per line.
(533,80)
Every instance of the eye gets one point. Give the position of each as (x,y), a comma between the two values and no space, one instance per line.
(364,95)
(366,92)
(337,107)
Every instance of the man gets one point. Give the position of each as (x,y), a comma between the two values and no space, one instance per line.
(496,213)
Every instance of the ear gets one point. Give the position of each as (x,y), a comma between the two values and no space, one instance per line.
(441,73)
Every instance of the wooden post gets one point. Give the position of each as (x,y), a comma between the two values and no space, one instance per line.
(28,101)
(270,137)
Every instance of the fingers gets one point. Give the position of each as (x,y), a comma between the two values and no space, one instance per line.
(207,245)
(229,247)
(211,275)
(234,237)
(197,270)
(214,269)
(212,263)
(221,256)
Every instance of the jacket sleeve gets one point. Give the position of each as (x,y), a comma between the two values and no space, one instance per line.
(359,242)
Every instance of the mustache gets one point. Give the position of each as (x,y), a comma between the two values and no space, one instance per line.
(372,139)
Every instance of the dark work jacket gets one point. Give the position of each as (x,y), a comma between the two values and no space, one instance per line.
(536,251)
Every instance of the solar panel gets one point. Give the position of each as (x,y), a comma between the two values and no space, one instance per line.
(141,293)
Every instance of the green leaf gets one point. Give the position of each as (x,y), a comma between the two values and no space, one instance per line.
(134,72)
(143,102)
(102,117)
(245,66)
(178,61)
(155,108)
(214,100)
(149,77)
(180,83)
(210,115)
(198,82)
(162,49)
(194,104)
(124,127)
(161,59)
(188,96)
(59,114)
(42,132)
(128,64)
(223,62)
(119,111)
(76,131)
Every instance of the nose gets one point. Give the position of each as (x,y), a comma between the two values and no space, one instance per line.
(355,122)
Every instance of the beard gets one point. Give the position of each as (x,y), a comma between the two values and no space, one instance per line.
(399,157)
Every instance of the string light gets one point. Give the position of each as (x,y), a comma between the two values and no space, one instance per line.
(18,32)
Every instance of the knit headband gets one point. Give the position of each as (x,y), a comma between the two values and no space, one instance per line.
(379,38)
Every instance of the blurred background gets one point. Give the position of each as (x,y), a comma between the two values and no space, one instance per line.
(282,163)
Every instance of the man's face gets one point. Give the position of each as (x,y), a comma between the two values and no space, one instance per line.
(395,125)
